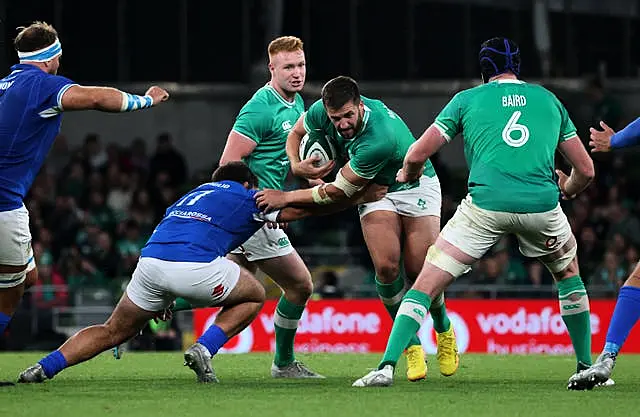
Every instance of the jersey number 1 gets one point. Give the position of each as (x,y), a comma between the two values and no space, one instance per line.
(513,126)
(193,197)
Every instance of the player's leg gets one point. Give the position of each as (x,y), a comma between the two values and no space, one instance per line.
(382,231)
(126,320)
(241,297)
(16,262)
(293,277)
(420,210)
(457,247)
(548,237)
(625,315)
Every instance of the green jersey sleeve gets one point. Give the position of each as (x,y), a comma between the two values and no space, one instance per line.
(371,156)
(567,128)
(314,117)
(253,122)
(449,121)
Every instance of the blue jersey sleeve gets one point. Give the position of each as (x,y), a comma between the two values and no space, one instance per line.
(629,136)
(52,87)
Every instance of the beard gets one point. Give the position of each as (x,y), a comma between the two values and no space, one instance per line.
(355,129)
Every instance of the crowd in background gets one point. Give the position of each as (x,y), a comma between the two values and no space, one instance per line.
(93,208)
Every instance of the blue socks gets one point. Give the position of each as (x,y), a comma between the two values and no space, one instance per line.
(213,339)
(625,316)
(4,322)
(53,363)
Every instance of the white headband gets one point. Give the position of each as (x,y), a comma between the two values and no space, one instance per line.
(42,55)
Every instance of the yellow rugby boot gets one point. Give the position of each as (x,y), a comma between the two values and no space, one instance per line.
(447,353)
(416,363)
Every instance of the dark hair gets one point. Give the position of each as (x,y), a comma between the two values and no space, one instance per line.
(36,36)
(236,171)
(339,91)
(497,56)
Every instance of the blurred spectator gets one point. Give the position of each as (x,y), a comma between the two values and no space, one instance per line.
(50,290)
(130,245)
(604,107)
(94,156)
(611,273)
(138,155)
(167,159)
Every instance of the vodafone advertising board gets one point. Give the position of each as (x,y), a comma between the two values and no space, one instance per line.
(483,326)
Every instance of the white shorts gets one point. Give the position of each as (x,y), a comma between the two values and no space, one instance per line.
(156,283)
(265,244)
(15,245)
(474,230)
(424,200)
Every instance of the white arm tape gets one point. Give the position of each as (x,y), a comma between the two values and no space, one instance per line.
(268,217)
(343,184)
(317,198)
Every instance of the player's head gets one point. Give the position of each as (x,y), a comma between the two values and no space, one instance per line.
(341,100)
(287,64)
(236,171)
(38,44)
(498,56)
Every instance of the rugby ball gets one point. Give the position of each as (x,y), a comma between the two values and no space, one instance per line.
(317,144)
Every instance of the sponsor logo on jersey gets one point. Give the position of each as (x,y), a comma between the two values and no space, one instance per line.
(286,125)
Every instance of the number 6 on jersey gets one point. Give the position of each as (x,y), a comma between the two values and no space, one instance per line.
(514,126)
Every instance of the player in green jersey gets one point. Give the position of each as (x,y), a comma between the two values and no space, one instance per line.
(398,228)
(258,138)
(511,130)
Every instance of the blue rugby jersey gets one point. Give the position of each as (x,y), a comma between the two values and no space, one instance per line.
(30,118)
(207,222)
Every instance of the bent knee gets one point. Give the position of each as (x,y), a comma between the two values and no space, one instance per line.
(387,271)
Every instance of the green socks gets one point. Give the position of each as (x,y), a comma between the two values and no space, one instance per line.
(181,305)
(574,308)
(391,296)
(285,321)
(441,322)
(411,314)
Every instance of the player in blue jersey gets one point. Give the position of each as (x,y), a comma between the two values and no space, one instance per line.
(627,311)
(185,257)
(32,99)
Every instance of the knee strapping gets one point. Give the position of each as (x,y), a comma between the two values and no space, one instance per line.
(446,262)
(560,263)
(8,280)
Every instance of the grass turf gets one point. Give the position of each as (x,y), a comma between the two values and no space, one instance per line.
(156,384)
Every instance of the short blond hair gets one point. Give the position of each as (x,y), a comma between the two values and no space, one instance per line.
(285,44)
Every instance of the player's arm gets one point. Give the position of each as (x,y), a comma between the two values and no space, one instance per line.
(345,188)
(606,139)
(305,168)
(421,150)
(108,99)
(446,126)
(237,147)
(373,192)
(582,171)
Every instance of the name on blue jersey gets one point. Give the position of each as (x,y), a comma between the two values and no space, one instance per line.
(195,215)
(5,84)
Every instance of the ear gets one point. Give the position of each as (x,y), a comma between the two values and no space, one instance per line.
(246,185)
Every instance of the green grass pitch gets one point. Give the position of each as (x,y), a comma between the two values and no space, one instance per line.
(156,384)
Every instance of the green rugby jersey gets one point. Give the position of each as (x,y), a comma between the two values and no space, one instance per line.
(378,149)
(511,130)
(267,119)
